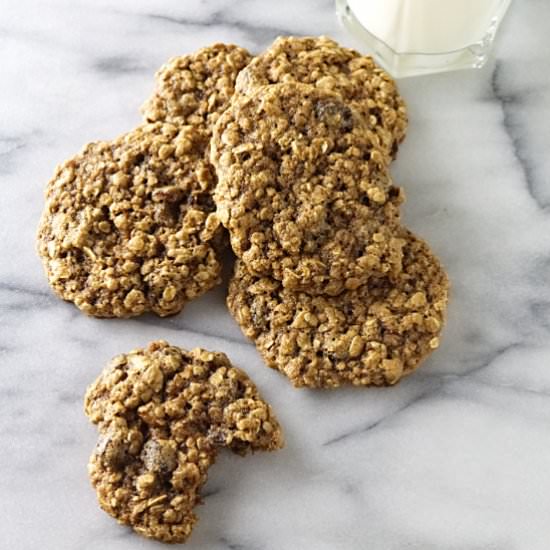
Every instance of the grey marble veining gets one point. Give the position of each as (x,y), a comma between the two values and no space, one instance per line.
(455,457)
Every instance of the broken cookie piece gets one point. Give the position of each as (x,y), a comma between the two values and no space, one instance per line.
(163,413)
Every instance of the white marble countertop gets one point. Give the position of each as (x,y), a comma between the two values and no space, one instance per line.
(456,457)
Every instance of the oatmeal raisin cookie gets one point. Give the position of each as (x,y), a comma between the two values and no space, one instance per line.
(373,335)
(163,413)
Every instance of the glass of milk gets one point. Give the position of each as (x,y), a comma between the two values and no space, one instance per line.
(413,37)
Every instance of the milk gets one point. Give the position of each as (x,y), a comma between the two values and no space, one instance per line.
(426,26)
(413,37)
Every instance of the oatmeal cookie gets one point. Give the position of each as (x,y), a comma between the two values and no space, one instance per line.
(324,63)
(370,336)
(163,413)
(196,88)
(129,225)
(304,194)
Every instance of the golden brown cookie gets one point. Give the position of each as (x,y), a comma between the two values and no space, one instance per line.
(129,225)
(196,88)
(370,336)
(302,189)
(324,63)
(163,414)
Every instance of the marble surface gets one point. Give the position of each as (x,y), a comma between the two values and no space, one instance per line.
(456,457)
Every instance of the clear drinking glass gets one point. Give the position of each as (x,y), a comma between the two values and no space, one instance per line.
(413,37)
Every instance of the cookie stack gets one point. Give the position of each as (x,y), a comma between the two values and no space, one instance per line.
(328,284)
(289,152)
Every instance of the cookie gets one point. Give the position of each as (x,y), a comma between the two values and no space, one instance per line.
(163,414)
(324,63)
(129,225)
(196,88)
(373,335)
(302,189)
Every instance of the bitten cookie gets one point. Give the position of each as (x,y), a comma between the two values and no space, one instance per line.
(370,336)
(163,413)
(194,89)
(304,192)
(324,63)
(129,225)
